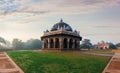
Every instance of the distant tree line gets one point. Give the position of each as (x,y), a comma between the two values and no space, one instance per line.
(86,44)
(2,43)
(29,44)
(118,45)
(37,44)
(19,44)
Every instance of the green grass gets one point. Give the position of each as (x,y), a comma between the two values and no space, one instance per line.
(64,62)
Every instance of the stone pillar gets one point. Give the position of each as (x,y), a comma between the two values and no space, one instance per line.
(68,40)
(54,43)
(78,43)
(43,44)
(73,45)
(60,43)
(48,43)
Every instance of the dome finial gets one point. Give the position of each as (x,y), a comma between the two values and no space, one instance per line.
(61,20)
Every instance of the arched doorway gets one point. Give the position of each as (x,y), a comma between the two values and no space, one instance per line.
(46,43)
(51,43)
(70,43)
(65,43)
(57,45)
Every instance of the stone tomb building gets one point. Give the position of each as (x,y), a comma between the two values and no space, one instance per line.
(61,37)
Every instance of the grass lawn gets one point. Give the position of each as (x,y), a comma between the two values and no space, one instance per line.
(64,62)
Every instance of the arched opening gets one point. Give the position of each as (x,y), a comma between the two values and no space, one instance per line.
(65,43)
(57,43)
(70,43)
(75,43)
(51,43)
(101,47)
(46,44)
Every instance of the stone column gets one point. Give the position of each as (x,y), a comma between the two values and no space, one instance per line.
(78,43)
(68,40)
(73,45)
(60,43)
(43,44)
(48,43)
(54,43)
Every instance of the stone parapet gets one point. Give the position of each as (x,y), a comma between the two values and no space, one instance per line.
(61,32)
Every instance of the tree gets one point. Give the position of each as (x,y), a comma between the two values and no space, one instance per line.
(112,46)
(2,43)
(118,45)
(17,44)
(8,44)
(36,44)
(2,40)
(33,44)
(86,44)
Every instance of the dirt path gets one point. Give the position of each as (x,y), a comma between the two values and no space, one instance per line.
(98,54)
(114,64)
(7,65)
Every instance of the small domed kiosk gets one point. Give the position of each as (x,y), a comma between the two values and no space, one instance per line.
(61,37)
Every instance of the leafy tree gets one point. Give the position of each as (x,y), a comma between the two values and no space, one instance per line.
(2,40)
(17,44)
(36,44)
(8,44)
(86,44)
(112,46)
(33,44)
(118,45)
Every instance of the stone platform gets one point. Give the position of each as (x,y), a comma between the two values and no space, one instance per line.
(59,50)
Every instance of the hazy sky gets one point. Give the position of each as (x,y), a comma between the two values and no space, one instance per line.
(95,19)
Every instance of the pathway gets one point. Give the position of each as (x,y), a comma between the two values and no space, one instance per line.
(114,65)
(98,54)
(7,65)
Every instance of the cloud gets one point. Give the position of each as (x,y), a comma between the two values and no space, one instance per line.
(88,35)
(54,6)
(29,18)
(106,26)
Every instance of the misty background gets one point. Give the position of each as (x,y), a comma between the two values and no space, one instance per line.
(18,44)
(36,44)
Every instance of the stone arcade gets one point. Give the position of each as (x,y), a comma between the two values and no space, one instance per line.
(61,37)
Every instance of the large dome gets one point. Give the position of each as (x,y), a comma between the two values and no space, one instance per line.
(60,25)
